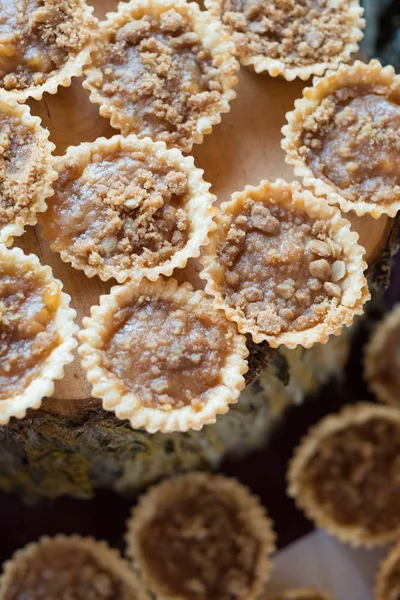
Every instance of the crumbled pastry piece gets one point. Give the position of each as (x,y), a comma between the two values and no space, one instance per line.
(162,357)
(201,537)
(162,69)
(345,474)
(125,207)
(284,266)
(289,38)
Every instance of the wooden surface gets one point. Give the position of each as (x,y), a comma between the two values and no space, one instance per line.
(243,149)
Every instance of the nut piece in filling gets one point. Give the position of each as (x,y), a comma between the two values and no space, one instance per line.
(43,43)
(285,266)
(291,38)
(128,208)
(163,69)
(388,578)
(26,171)
(68,567)
(161,356)
(36,332)
(301,594)
(345,474)
(201,537)
(382,359)
(343,138)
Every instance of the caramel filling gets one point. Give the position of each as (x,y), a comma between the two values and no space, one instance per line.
(158,74)
(200,548)
(37,37)
(353,141)
(355,476)
(281,268)
(297,33)
(120,210)
(27,330)
(169,356)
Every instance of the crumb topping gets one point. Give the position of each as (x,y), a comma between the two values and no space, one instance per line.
(37,37)
(122,210)
(168,355)
(160,77)
(353,141)
(298,33)
(355,475)
(281,268)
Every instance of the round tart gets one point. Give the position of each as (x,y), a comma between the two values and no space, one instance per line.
(162,357)
(289,38)
(382,359)
(26,172)
(163,69)
(43,44)
(285,266)
(345,474)
(73,567)
(201,537)
(126,207)
(388,578)
(343,138)
(36,332)
(301,594)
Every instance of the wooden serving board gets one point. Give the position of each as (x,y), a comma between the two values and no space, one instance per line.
(243,149)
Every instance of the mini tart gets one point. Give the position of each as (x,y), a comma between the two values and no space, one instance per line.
(55,567)
(163,69)
(301,594)
(285,266)
(343,138)
(345,474)
(43,44)
(382,359)
(26,168)
(281,37)
(162,357)
(36,332)
(126,207)
(388,578)
(201,537)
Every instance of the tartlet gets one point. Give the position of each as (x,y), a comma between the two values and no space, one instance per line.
(388,577)
(201,537)
(382,359)
(26,168)
(163,69)
(289,38)
(126,207)
(162,357)
(284,266)
(345,474)
(69,566)
(343,138)
(301,594)
(43,44)
(36,332)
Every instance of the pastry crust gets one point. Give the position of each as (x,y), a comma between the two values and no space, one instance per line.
(251,513)
(302,490)
(52,367)
(129,405)
(389,567)
(301,594)
(371,77)
(213,39)
(195,203)
(353,285)
(25,181)
(264,63)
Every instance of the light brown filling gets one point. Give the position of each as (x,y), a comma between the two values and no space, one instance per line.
(159,75)
(282,268)
(121,210)
(200,547)
(37,37)
(27,331)
(170,356)
(64,573)
(297,33)
(354,142)
(355,476)
(300,595)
